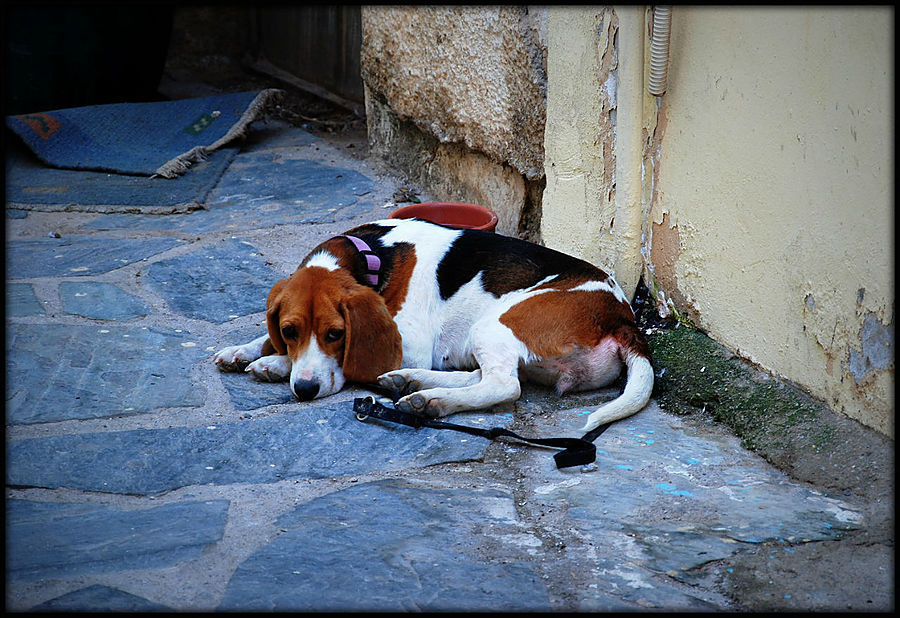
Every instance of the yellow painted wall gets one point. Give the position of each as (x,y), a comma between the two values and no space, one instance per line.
(768,188)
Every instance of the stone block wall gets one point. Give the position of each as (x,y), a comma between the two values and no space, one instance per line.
(456,99)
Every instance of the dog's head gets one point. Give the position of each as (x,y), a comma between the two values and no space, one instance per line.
(333,329)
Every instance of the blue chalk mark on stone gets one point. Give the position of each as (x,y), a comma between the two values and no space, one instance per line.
(54,539)
(693,462)
(100,301)
(624,467)
(671,490)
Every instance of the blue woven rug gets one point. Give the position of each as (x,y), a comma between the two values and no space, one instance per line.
(128,157)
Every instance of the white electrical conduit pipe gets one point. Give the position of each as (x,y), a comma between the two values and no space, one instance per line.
(659,50)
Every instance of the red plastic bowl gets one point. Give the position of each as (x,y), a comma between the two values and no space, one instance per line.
(452,214)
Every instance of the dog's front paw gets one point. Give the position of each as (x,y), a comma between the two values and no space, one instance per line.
(233,358)
(399,382)
(421,403)
(275,368)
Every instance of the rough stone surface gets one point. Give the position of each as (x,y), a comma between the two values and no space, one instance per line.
(450,170)
(20,300)
(419,61)
(468,132)
(391,546)
(218,283)
(51,539)
(61,372)
(102,301)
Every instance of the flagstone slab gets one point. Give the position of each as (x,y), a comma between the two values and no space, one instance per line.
(262,189)
(100,301)
(277,177)
(321,441)
(248,393)
(57,372)
(675,500)
(99,598)
(245,391)
(78,255)
(21,300)
(217,283)
(391,546)
(273,134)
(53,539)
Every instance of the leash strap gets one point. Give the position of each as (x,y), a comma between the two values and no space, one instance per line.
(373,262)
(577,451)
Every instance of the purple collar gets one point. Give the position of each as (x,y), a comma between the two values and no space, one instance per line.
(373,262)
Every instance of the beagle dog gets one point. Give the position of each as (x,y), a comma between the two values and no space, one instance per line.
(450,319)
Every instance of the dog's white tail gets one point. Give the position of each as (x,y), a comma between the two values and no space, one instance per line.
(638,388)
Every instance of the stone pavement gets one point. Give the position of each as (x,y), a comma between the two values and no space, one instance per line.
(141,478)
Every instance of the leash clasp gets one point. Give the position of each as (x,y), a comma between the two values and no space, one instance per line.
(363,406)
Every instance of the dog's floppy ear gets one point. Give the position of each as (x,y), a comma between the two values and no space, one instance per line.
(372,343)
(273,305)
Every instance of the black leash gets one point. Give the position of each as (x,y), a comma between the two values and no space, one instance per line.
(577,451)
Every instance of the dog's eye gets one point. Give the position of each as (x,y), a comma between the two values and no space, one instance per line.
(289,332)
(333,335)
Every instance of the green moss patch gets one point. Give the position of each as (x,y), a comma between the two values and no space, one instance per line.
(694,374)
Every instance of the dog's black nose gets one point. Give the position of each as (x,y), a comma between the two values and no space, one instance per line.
(304,390)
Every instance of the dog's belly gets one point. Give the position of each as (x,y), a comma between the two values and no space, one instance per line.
(577,370)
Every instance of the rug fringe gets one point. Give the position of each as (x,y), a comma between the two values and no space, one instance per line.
(259,106)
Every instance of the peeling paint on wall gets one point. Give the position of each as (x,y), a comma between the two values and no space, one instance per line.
(578,212)
(876,351)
